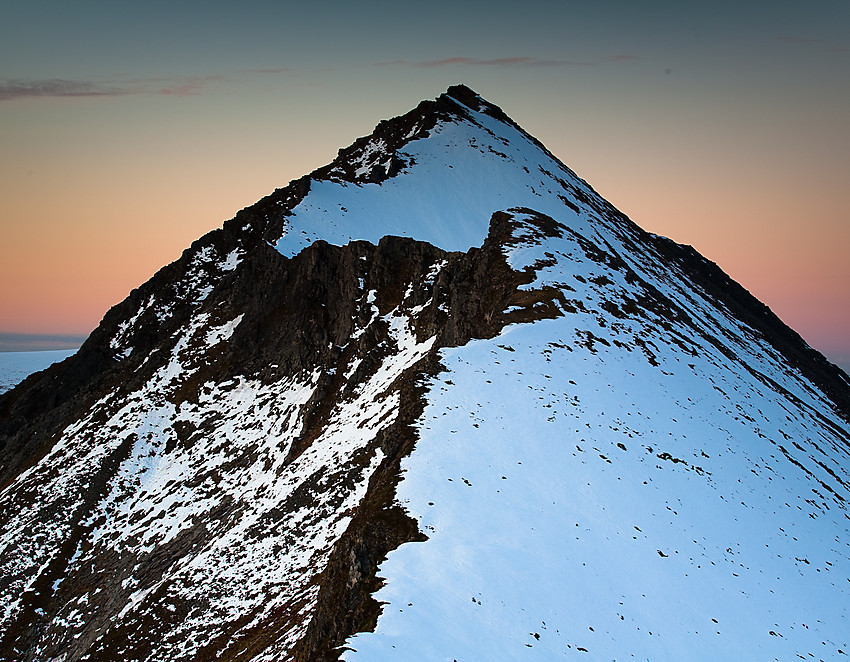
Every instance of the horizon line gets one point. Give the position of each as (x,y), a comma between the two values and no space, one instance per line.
(37,342)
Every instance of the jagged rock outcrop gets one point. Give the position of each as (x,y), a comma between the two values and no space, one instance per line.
(331,317)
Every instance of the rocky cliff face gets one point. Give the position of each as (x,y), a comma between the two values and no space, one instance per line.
(222,469)
(267,408)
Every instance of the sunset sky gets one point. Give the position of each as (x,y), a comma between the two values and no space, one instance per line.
(129,130)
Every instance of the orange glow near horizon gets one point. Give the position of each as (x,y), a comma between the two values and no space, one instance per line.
(95,198)
(101,210)
(63,278)
(64,273)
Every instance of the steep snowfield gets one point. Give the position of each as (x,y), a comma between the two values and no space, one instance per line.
(581,498)
(722,502)
(456,177)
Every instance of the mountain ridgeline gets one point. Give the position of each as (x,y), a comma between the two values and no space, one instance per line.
(436,400)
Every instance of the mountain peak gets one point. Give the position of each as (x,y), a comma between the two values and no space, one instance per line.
(471,99)
(598,441)
(374,158)
(464,94)
(467,149)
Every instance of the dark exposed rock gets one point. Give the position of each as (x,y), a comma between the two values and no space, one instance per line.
(298,315)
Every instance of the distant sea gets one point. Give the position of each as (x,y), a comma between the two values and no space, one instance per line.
(16,366)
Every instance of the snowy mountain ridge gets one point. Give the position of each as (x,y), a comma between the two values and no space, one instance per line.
(436,400)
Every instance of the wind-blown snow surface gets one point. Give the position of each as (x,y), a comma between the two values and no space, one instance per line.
(589,486)
(17,366)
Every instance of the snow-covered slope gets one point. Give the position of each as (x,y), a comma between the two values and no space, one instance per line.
(455,176)
(443,372)
(600,483)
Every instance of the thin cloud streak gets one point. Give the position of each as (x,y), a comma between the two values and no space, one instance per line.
(275,70)
(180,87)
(60,88)
(57,87)
(493,62)
(506,62)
